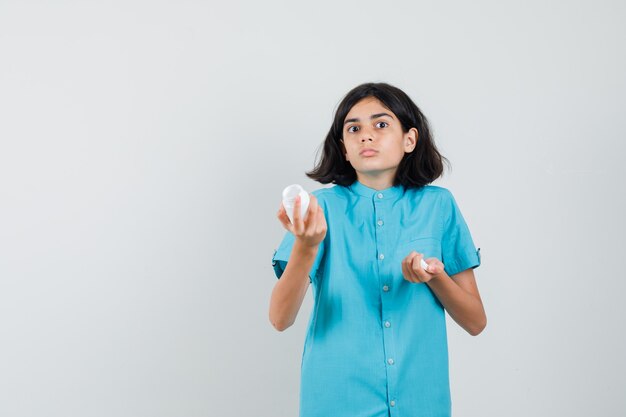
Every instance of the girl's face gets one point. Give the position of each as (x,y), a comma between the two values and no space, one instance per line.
(373,141)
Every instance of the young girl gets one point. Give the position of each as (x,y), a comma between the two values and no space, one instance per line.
(376,344)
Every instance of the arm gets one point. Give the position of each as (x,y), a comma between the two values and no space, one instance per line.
(289,291)
(458,294)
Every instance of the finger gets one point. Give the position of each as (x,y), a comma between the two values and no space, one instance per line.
(416,267)
(311,220)
(322,217)
(316,218)
(428,268)
(296,208)
(416,278)
(321,220)
(297,217)
(283,218)
(406,268)
(435,266)
(313,205)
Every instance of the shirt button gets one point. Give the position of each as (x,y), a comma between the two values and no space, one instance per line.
(380,222)
(390,361)
(381,256)
(392,403)
(385,288)
(380,195)
(387,324)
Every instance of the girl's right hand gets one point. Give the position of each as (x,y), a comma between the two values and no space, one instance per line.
(309,231)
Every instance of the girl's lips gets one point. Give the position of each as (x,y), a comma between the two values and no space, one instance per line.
(369,152)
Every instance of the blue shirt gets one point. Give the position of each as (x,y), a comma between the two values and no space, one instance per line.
(376,344)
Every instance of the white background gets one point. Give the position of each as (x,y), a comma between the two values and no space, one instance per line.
(144,146)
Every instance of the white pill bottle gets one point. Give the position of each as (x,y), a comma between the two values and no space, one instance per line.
(289,200)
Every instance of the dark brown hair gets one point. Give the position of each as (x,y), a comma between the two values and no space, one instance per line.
(420,167)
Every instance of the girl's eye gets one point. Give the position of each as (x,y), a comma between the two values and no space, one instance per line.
(382,122)
(350,129)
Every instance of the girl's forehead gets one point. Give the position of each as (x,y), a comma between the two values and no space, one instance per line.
(368,106)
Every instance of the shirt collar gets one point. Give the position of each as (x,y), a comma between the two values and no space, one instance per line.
(388,193)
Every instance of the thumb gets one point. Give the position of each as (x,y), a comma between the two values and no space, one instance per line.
(434,266)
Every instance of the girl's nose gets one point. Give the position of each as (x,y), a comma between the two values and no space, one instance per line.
(367,134)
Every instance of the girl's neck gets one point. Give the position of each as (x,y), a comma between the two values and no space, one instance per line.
(380,182)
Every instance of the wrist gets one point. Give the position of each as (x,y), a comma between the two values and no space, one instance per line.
(304,248)
(436,278)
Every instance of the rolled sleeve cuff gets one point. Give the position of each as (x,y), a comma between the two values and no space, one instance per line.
(469,260)
(280,264)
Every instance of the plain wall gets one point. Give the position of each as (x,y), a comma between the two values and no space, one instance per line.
(144,146)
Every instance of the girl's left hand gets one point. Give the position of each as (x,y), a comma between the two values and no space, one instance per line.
(413,271)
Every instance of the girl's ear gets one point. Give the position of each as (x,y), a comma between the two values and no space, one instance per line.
(410,140)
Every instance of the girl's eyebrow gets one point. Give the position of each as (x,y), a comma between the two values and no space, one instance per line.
(373,116)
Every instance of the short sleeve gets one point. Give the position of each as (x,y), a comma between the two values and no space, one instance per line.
(457,247)
(282,254)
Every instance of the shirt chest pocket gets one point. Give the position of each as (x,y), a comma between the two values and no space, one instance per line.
(429,246)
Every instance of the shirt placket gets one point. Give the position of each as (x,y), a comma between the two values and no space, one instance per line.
(382,209)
